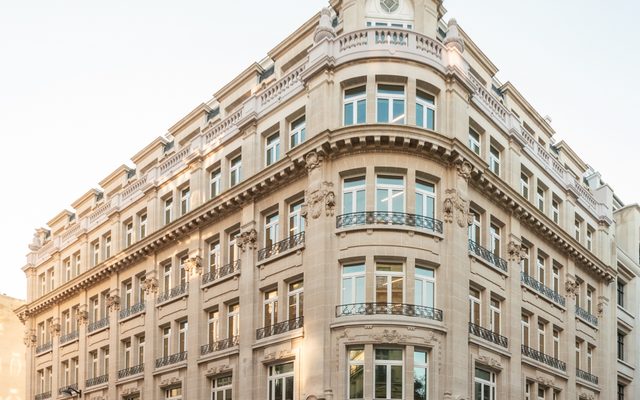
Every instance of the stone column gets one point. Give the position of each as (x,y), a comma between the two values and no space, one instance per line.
(55,353)
(151,332)
(83,319)
(113,303)
(568,337)
(193,268)
(513,292)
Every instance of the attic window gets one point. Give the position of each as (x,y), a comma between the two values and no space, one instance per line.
(72,217)
(131,173)
(213,113)
(99,196)
(389,5)
(266,73)
(168,146)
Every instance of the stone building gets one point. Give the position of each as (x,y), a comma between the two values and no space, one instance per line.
(12,362)
(366,213)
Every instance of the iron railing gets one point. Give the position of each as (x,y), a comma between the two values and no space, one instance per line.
(488,335)
(542,289)
(283,245)
(173,293)
(67,388)
(280,327)
(543,358)
(99,324)
(68,337)
(134,309)
(97,380)
(44,347)
(388,218)
(43,395)
(408,310)
(172,359)
(219,345)
(487,255)
(136,369)
(585,376)
(586,315)
(218,273)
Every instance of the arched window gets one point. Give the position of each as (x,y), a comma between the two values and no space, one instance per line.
(389,13)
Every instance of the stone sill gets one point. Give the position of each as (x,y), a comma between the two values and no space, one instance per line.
(389,227)
(219,354)
(219,280)
(387,320)
(481,260)
(280,337)
(178,365)
(585,383)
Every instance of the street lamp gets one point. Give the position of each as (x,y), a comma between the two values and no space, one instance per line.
(71,391)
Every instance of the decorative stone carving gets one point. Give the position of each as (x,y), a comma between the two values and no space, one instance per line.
(170,382)
(130,391)
(571,286)
(113,302)
(586,396)
(30,338)
(39,237)
(454,39)
(247,239)
(464,169)
(282,354)
(389,336)
(603,303)
(516,252)
(55,328)
(150,285)
(545,381)
(490,362)
(455,207)
(325,29)
(313,160)
(218,369)
(193,264)
(82,317)
(319,198)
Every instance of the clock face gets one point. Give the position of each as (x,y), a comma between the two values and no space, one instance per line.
(390,5)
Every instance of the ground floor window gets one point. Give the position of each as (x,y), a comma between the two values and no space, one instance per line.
(221,388)
(281,381)
(484,385)
(388,374)
(174,393)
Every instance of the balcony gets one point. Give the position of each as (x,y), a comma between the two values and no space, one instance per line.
(133,310)
(172,359)
(97,380)
(138,369)
(407,310)
(585,376)
(289,243)
(219,345)
(97,325)
(549,293)
(43,348)
(543,358)
(388,218)
(488,256)
(488,335)
(586,316)
(219,273)
(69,337)
(43,395)
(63,389)
(173,293)
(280,327)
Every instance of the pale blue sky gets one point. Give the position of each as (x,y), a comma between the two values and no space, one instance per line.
(85,84)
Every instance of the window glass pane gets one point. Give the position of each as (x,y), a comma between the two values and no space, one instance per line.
(396,381)
(389,267)
(381,382)
(360,201)
(419,115)
(391,89)
(348,269)
(353,182)
(430,119)
(354,92)
(362,111)
(348,114)
(398,111)
(383,110)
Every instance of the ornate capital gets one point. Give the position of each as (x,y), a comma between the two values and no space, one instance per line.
(55,328)
(464,169)
(317,199)
(82,317)
(150,285)
(30,338)
(193,264)
(516,252)
(113,302)
(455,207)
(313,160)
(247,239)
(571,286)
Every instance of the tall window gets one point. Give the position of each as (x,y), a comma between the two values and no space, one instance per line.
(474,141)
(474,306)
(126,353)
(183,326)
(425,286)
(388,376)
(272,149)
(96,253)
(213,326)
(620,346)
(214,183)
(589,299)
(67,270)
(540,198)
(474,228)
(425,110)
(168,210)
(52,278)
(183,272)
(270,308)
(355,105)
(555,211)
(578,364)
(589,358)
(271,228)
(296,300)
(389,193)
(222,388)
(494,239)
(389,283)
(353,283)
(127,288)
(524,185)
(174,393)
(166,341)
(425,199)
(621,390)
(43,284)
(589,239)
(356,373)
(281,381)
(185,200)
(142,226)
(166,277)
(542,327)
(555,279)
(66,322)
(540,266)
(105,360)
(484,384)
(390,104)
(494,160)
(298,132)
(556,343)
(214,256)
(495,316)
(128,234)
(353,195)
(296,222)
(420,374)
(66,377)
(233,320)
(524,325)
(107,246)
(620,285)
(233,249)
(524,264)
(94,364)
(577,228)
(76,263)
(235,171)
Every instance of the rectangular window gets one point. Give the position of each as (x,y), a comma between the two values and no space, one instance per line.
(94,364)
(222,388)
(621,346)
(213,326)
(621,390)
(76,263)
(296,222)
(214,183)
(271,228)
(127,289)
(494,239)
(95,260)
(495,316)
(474,306)
(272,149)
(281,381)
(107,246)
(555,279)
(389,283)
(484,384)
(589,359)
(166,341)
(555,211)
(185,200)
(474,228)
(214,256)
(353,284)
(425,199)
(556,343)
(524,325)
(168,210)
(142,224)
(233,320)
(43,284)
(620,292)
(52,278)
(494,160)
(390,104)
(589,239)
(542,327)
(296,300)
(173,393)
(166,277)
(388,375)
(270,308)
(233,254)
(126,353)
(425,110)
(524,264)
(577,228)
(589,300)
(235,171)
(66,322)
(298,132)
(524,185)
(578,364)
(182,336)
(540,198)
(183,272)
(474,141)
(141,350)
(540,266)
(425,287)
(355,105)
(420,375)
(105,360)
(356,373)
(390,193)
(67,270)
(353,195)
(128,234)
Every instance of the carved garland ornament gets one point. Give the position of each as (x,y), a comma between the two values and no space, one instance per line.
(490,362)
(30,338)
(82,317)
(456,207)
(317,199)
(247,239)
(571,286)
(193,264)
(150,285)
(113,302)
(516,252)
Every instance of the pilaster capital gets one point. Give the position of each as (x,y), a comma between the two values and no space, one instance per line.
(247,239)
(455,207)
(318,198)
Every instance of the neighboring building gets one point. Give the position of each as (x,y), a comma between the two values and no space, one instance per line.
(366,213)
(12,351)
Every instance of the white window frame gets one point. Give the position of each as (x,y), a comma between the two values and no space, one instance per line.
(142,225)
(354,101)
(422,100)
(222,388)
(485,384)
(525,330)
(556,343)
(424,281)
(166,341)
(235,170)
(389,189)
(185,200)
(475,229)
(168,210)
(296,294)
(183,328)
(354,191)
(213,326)
(391,99)
(270,303)
(271,229)
(578,354)
(474,143)
(542,334)
(215,178)
(272,149)
(555,278)
(352,279)
(495,320)
(107,246)
(589,299)
(427,197)
(541,197)
(388,364)
(422,366)
(494,160)
(128,233)
(555,211)
(233,320)
(167,278)
(589,239)
(541,269)
(390,277)
(298,129)
(232,248)
(494,239)
(296,222)
(213,254)
(169,393)
(95,249)
(355,360)
(589,358)
(274,377)
(126,354)
(67,270)
(475,306)
(524,185)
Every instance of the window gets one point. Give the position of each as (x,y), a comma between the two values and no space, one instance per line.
(540,266)
(388,375)
(272,149)
(524,325)
(474,306)
(43,284)
(589,238)
(621,390)
(52,278)
(126,353)
(66,322)
(173,393)
(76,263)
(183,272)
(166,341)
(142,224)
(425,287)
(578,228)
(389,193)
(235,172)
(494,239)
(420,374)
(578,354)
(425,110)
(589,300)
(390,104)
(296,222)
(94,364)
(298,132)
(270,308)
(67,270)
(589,358)
(621,345)
(166,277)
(221,388)
(495,316)
(66,373)
(128,233)
(95,309)
(540,198)
(95,248)
(213,326)
(541,392)
(355,105)
(555,279)
(524,185)
(474,141)
(353,284)
(555,211)
(389,283)
(107,246)
(556,343)
(105,360)
(280,384)
(214,256)
(271,228)
(620,292)
(494,160)
(353,195)
(474,228)
(168,210)
(296,300)
(524,264)
(127,288)
(542,328)
(356,373)
(425,199)
(233,320)
(484,384)
(185,200)
(233,250)
(183,326)
(214,183)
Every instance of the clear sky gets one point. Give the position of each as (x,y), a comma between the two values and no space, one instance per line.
(85,84)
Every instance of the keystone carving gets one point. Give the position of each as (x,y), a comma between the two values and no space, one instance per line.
(193,264)
(490,362)
(455,207)
(464,170)
(516,252)
(318,198)
(30,338)
(545,381)
(113,302)
(217,370)
(247,239)
(313,160)
(571,286)
(586,396)
(150,285)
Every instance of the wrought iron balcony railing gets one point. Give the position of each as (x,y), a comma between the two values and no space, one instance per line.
(172,359)
(68,337)
(542,289)
(63,389)
(133,310)
(280,327)
(585,376)
(219,273)
(488,335)
(136,369)
(283,245)
(543,358)
(388,218)
(407,310)
(487,255)
(97,380)
(219,345)
(43,348)
(43,395)
(173,293)
(586,315)
(99,324)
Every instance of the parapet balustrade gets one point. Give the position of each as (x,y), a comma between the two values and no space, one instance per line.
(173,293)
(585,376)
(97,380)
(385,38)
(540,288)
(134,309)
(171,359)
(487,255)
(407,310)
(136,369)
(289,243)
(280,327)
(219,345)
(543,358)
(97,325)
(488,335)
(221,272)
(586,316)
(388,218)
